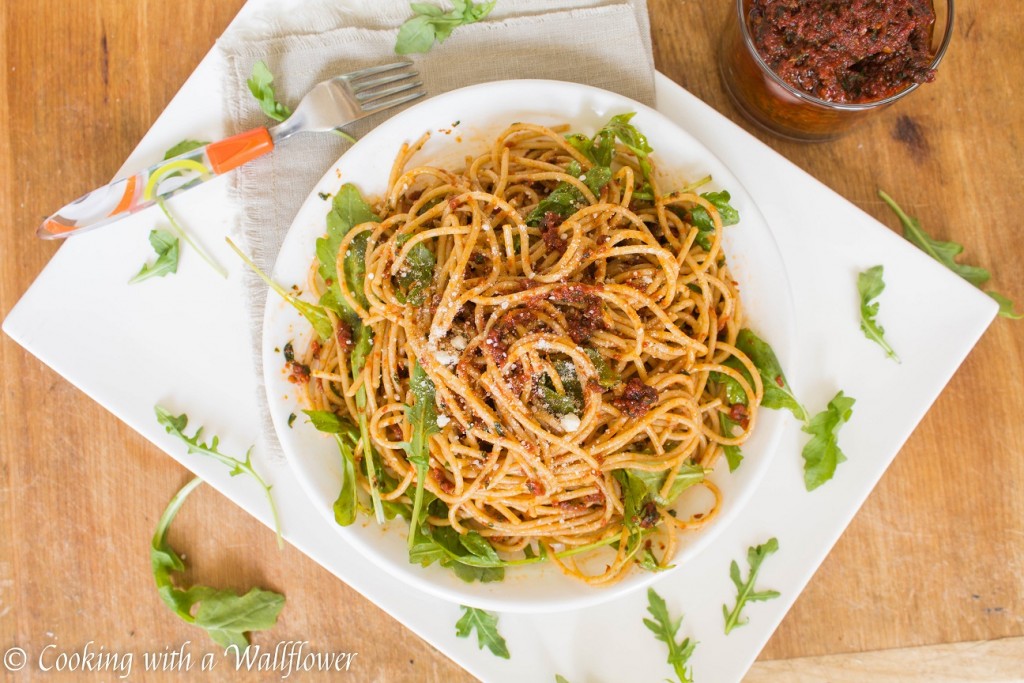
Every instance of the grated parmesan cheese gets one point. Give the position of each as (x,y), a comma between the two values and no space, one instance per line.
(570,423)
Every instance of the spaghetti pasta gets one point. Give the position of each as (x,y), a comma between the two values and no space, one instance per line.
(555,331)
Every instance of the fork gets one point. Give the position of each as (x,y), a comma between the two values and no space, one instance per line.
(328,106)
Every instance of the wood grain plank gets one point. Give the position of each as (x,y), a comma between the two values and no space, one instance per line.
(993,661)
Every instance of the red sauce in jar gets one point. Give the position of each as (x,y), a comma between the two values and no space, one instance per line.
(850,51)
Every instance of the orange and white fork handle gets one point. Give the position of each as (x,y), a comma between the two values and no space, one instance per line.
(123,197)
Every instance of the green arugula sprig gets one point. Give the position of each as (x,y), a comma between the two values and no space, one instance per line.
(701,219)
(745,589)
(261,85)
(666,630)
(166,247)
(422,415)
(733,453)
(486,626)
(346,435)
(315,314)
(165,242)
(870,286)
(431,23)
(226,616)
(175,426)
(822,453)
(600,149)
(778,395)
(416,273)
(348,210)
(1006,309)
(946,253)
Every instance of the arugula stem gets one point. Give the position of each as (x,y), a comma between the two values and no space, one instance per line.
(234,464)
(345,136)
(371,469)
(873,335)
(247,467)
(417,503)
(281,291)
(172,510)
(183,234)
(569,552)
(695,185)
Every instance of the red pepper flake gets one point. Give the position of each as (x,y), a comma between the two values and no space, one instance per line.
(780,381)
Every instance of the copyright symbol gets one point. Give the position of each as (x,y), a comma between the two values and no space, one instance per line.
(15,659)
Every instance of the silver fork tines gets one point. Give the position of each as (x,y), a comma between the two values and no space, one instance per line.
(349,97)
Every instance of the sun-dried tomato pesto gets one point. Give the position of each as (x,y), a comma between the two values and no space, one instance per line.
(850,51)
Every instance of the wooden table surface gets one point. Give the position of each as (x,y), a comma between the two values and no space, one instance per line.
(935,556)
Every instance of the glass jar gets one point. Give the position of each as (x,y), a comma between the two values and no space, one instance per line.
(765,98)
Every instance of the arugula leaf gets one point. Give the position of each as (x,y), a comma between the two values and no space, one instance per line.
(777,393)
(943,252)
(733,391)
(666,630)
(651,483)
(261,86)
(470,556)
(313,313)
(422,415)
(329,422)
(564,200)
(733,454)
(569,402)
(642,503)
(596,178)
(225,615)
(416,275)
(606,376)
(560,679)
(1005,306)
(870,285)
(631,137)
(348,209)
(182,147)
(822,454)
(745,589)
(346,436)
(600,150)
(175,426)
(166,247)
(486,626)
(701,219)
(431,23)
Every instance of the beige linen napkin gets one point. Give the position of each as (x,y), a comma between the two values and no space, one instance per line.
(600,43)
